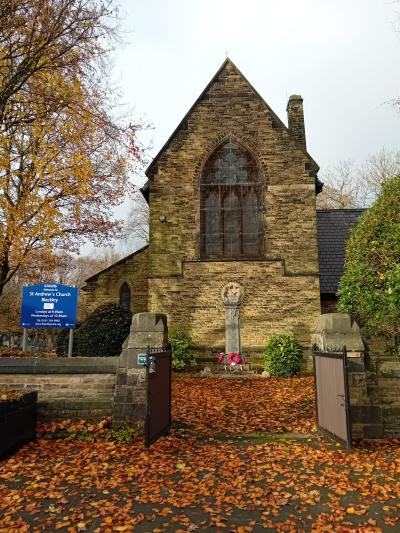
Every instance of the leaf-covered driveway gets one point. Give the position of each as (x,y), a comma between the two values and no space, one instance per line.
(196,479)
(244,405)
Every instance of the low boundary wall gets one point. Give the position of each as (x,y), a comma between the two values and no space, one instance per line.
(76,388)
(374,405)
(91,387)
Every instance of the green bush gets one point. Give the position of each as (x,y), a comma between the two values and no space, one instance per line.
(101,335)
(62,341)
(283,355)
(370,287)
(181,345)
(123,435)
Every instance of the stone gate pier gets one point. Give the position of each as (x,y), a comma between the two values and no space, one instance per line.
(147,329)
(374,395)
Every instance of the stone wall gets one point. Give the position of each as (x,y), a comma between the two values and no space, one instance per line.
(282,290)
(328,303)
(92,387)
(374,405)
(105,286)
(272,303)
(82,387)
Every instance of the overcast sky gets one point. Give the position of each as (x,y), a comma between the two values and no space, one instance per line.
(342,56)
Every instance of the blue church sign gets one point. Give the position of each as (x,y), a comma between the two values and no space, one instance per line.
(49,305)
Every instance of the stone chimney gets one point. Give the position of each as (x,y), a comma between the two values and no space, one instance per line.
(296,118)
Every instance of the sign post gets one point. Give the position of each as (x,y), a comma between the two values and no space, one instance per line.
(24,340)
(49,305)
(70,342)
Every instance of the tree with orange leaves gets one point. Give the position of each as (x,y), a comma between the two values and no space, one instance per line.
(65,159)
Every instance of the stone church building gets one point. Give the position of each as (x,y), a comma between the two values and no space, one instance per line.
(232,198)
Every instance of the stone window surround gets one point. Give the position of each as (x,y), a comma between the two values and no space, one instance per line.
(125,296)
(260,195)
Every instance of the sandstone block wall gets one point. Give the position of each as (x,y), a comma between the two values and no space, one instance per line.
(273,303)
(78,388)
(105,286)
(282,292)
(231,108)
(374,405)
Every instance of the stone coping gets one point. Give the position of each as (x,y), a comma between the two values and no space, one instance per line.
(73,365)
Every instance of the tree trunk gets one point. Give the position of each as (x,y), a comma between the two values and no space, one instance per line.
(4,272)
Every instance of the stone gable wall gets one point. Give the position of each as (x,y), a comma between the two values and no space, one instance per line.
(282,291)
(232,109)
(105,288)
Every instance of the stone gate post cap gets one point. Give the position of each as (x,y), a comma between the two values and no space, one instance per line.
(336,323)
(335,330)
(149,322)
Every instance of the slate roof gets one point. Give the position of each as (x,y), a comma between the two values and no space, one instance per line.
(145,190)
(333,229)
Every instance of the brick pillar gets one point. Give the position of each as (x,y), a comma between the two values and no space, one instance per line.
(296,118)
(147,329)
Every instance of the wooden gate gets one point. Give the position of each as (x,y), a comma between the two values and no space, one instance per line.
(332,395)
(158,394)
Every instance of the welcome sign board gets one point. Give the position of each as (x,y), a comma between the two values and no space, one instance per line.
(49,305)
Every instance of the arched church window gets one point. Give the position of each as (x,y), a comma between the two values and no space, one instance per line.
(232,224)
(125,296)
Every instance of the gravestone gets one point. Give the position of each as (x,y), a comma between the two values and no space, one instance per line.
(232,296)
(147,329)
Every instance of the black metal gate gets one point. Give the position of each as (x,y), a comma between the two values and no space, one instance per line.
(332,395)
(158,394)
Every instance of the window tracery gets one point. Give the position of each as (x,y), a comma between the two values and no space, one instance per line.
(231,205)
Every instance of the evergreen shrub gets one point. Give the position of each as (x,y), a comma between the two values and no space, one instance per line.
(100,335)
(181,346)
(62,341)
(283,355)
(370,287)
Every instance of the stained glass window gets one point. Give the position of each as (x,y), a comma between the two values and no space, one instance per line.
(231,205)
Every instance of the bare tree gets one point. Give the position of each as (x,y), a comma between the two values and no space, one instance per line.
(348,186)
(137,224)
(341,187)
(377,169)
(74,270)
(108,256)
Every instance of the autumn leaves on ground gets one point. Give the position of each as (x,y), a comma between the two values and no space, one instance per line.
(245,405)
(222,468)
